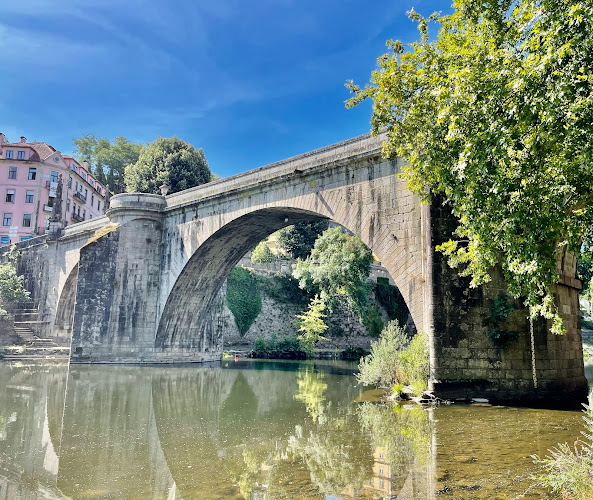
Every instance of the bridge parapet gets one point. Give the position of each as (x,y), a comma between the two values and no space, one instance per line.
(342,151)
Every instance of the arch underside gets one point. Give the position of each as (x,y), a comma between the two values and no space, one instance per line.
(188,320)
(188,311)
(65,309)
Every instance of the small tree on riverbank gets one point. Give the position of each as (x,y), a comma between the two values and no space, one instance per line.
(11,287)
(312,324)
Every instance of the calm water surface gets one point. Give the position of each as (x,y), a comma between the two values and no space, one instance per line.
(254,430)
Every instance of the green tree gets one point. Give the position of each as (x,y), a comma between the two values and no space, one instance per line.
(167,160)
(11,286)
(107,161)
(495,114)
(338,266)
(298,240)
(312,324)
(262,254)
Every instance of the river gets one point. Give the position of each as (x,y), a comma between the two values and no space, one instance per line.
(254,430)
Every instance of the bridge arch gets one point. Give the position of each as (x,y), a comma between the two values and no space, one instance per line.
(188,317)
(65,308)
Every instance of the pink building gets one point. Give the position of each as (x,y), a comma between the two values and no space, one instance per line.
(29,173)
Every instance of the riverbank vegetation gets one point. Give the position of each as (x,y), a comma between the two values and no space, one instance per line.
(397,361)
(567,470)
(11,287)
(493,116)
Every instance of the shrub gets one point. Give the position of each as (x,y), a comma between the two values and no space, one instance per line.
(396,360)
(243,297)
(289,348)
(500,310)
(353,353)
(11,286)
(372,321)
(568,470)
(260,348)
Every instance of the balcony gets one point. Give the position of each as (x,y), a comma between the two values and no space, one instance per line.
(76,217)
(80,196)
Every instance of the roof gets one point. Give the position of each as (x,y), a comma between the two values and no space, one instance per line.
(41,150)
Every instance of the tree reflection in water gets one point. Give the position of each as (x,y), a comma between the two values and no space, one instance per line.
(368,451)
(311,390)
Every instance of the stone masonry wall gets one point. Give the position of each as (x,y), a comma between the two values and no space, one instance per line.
(467,364)
(277,318)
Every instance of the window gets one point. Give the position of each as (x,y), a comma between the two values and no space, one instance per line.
(83,214)
(10,196)
(29,197)
(20,155)
(27,220)
(68,205)
(86,193)
(69,182)
(53,176)
(92,200)
(9,154)
(99,205)
(24,238)
(74,168)
(4,240)
(83,175)
(12,172)
(7,220)
(32,173)
(76,186)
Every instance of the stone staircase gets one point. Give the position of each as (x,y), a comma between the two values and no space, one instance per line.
(26,319)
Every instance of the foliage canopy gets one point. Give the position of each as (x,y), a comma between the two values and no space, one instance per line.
(169,161)
(338,266)
(262,254)
(496,114)
(298,240)
(107,161)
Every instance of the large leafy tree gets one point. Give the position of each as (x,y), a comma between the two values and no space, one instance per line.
(298,240)
(338,267)
(496,114)
(108,160)
(167,160)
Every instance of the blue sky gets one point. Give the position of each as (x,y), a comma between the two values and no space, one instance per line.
(251,82)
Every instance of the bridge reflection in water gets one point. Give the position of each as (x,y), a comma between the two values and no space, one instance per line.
(252,430)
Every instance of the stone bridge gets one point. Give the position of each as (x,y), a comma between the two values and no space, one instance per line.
(140,285)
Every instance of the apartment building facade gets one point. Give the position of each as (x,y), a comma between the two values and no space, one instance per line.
(29,176)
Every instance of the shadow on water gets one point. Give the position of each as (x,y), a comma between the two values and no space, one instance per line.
(254,429)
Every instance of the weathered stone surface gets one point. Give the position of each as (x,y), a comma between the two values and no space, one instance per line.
(146,277)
